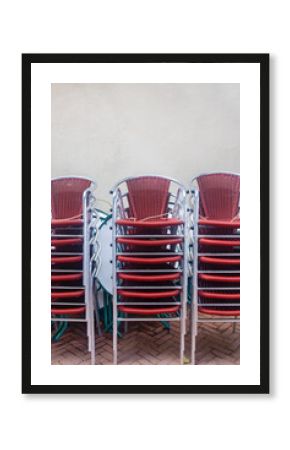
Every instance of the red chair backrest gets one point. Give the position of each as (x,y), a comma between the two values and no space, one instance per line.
(219,195)
(147,196)
(66,197)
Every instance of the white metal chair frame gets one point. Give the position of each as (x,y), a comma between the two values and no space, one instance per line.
(89,266)
(177,209)
(195,235)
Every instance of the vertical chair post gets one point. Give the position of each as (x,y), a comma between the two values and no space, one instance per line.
(94,265)
(92,322)
(85,270)
(194,305)
(184,284)
(88,276)
(114,274)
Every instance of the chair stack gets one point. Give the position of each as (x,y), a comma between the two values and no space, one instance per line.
(216,252)
(73,254)
(149,253)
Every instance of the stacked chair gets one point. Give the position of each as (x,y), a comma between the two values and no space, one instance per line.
(149,253)
(216,250)
(74,254)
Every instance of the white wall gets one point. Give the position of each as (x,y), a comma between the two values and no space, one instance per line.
(110,131)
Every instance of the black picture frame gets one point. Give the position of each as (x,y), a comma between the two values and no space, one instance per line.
(263,61)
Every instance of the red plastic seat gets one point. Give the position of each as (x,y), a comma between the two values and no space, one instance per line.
(217,312)
(149,242)
(146,278)
(70,310)
(148,311)
(220,310)
(66,222)
(220,242)
(63,242)
(66,259)
(219,278)
(67,277)
(220,261)
(219,295)
(220,223)
(150,294)
(67,294)
(162,260)
(149,223)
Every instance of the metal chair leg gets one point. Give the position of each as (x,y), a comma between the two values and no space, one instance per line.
(115,335)
(193,334)
(182,339)
(126,324)
(93,341)
(98,323)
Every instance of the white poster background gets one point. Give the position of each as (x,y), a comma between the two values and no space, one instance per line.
(248,75)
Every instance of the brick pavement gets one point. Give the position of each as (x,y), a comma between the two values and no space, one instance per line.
(150,343)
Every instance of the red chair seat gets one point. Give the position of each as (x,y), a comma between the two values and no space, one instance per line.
(220,223)
(148,311)
(145,278)
(221,278)
(131,259)
(66,222)
(221,261)
(66,259)
(149,223)
(219,242)
(216,312)
(148,242)
(150,295)
(74,310)
(67,277)
(67,294)
(219,295)
(61,242)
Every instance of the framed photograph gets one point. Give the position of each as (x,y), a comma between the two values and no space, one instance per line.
(145,250)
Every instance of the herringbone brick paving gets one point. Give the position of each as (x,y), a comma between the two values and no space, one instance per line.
(150,343)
